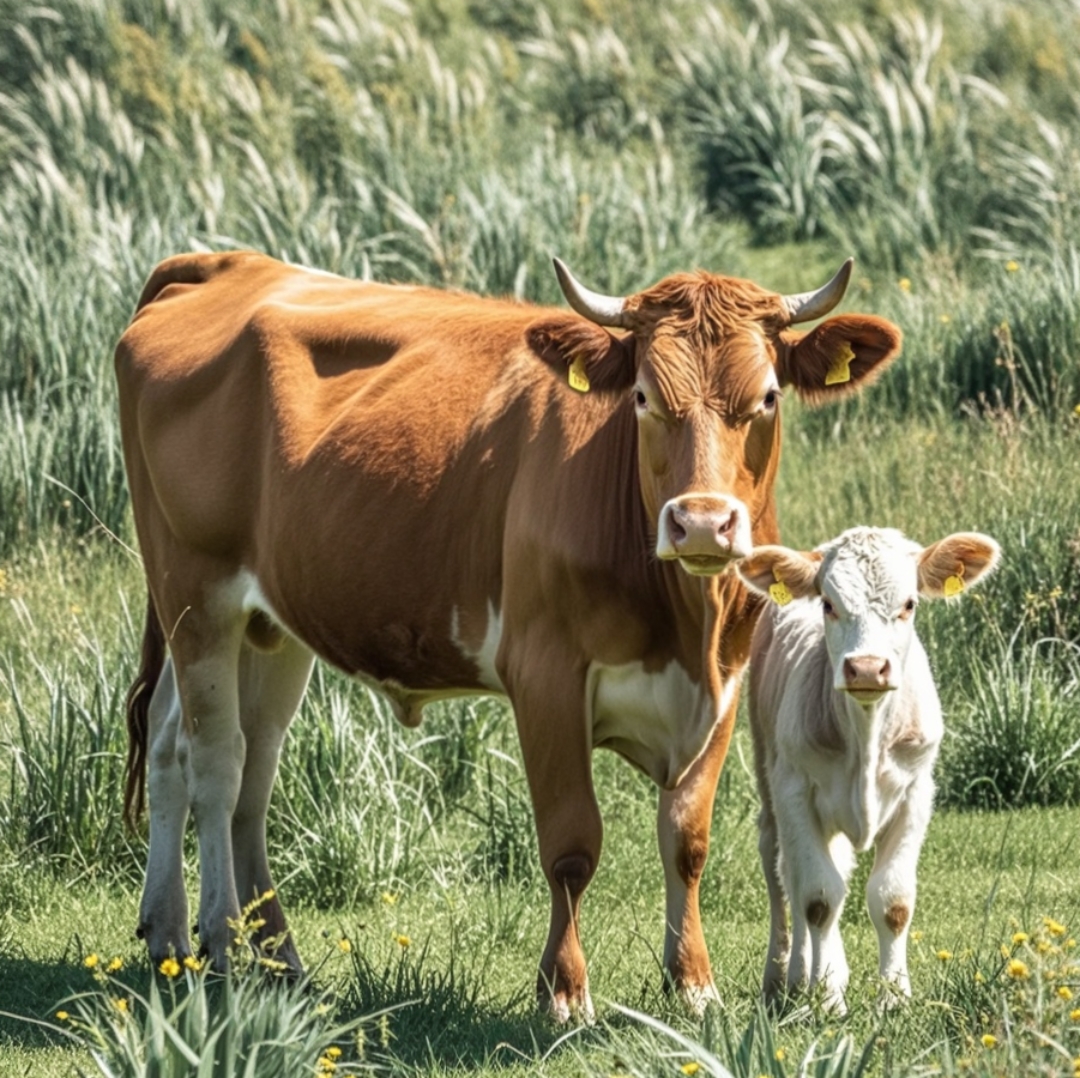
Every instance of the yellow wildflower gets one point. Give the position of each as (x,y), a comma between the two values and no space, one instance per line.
(779,1054)
(1074,1014)
(904,284)
(192,963)
(1017,970)
(1065,992)
(988,1040)
(944,956)
(389,898)
(979,978)
(917,935)
(333,1052)
(690,1068)
(945,319)
(344,946)
(1043,946)
(1055,928)
(121,1005)
(63,1016)
(1005,950)
(1070,943)
(1076,410)
(170,967)
(400,940)
(115,965)
(1012,265)
(91,961)
(1019,938)
(326,1066)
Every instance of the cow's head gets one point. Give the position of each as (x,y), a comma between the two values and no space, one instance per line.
(705,363)
(869,581)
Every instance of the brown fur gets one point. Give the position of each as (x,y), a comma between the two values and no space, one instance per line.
(896,917)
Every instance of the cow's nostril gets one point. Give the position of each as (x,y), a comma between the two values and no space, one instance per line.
(850,673)
(884,672)
(726,526)
(676,531)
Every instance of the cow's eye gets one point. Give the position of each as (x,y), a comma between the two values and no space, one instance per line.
(771,399)
(641,400)
(828,608)
(908,610)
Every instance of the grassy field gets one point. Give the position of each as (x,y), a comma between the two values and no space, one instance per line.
(463,144)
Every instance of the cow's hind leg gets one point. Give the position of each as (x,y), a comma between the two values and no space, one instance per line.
(163,912)
(205,644)
(271,687)
(683,823)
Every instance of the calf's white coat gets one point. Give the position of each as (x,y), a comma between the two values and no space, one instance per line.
(846,725)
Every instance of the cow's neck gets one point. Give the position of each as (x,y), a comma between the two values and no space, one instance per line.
(863,729)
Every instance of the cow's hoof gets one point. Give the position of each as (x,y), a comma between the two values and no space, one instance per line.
(564,1008)
(697,998)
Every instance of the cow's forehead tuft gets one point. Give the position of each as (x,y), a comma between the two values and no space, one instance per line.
(869,566)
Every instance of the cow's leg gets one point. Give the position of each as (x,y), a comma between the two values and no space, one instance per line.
(205,645)
(271,687)
(549,706)
(816,888)
(890,891)
(163,912)
(683,823)
(776,961)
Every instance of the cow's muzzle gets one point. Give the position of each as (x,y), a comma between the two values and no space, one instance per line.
(867,677)
(704,533)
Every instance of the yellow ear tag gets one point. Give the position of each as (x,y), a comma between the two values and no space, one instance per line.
(840,371)
(579,380)
(953,586)
(780,593)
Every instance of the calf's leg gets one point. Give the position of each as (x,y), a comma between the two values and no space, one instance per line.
(890,891)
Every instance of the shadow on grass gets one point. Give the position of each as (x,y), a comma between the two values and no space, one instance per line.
(33,990)
(441,1017)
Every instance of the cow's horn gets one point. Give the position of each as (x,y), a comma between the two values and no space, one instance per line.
(603,310)
(805,306)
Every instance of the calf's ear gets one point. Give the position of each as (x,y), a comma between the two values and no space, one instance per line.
(584,355)
(951,565)
(837,357)
(795,572)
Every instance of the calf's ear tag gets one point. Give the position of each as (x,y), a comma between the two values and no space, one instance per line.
(779,592)
(577,377)
(840,371)
(953,585)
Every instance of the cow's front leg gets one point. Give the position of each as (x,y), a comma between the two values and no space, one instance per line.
(683,823)
(890,891)
(548,695)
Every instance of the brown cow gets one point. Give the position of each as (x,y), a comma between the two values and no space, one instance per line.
(442,494)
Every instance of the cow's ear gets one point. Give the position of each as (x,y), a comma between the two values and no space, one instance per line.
(951,565)
(780,573)
(837,357)
(586,356)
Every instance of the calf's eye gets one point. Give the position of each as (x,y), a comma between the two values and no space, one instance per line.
(770,399)
(830,610)
(640,399)
(909,609)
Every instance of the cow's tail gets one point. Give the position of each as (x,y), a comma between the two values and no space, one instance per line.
(151,663)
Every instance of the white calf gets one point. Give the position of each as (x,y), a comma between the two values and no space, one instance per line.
(846,725)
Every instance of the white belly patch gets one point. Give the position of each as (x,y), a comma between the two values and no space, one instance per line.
(659,720)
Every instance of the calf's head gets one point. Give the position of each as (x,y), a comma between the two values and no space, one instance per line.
(705,363)
(869,581)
